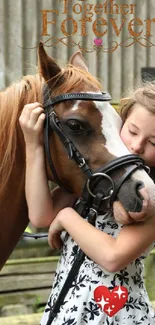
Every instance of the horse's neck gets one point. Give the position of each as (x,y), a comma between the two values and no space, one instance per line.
(13,207)
(13,210)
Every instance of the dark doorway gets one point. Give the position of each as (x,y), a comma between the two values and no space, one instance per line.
(148,74)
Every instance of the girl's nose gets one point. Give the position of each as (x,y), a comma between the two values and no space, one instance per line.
(137,147)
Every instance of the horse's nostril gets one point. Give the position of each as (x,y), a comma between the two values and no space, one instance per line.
(132,189)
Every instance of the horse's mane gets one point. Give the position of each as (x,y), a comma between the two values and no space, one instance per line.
(73,78)
(12,101)
(28,90)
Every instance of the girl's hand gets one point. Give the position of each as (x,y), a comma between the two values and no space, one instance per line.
(32,121)
(54,233)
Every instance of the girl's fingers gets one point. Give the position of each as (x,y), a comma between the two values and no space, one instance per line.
(32,117)
(35,115)
(55,242)
(40,122)
(28,109)
(51,236)
(50,240)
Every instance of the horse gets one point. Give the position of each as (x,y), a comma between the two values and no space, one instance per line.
(93,127)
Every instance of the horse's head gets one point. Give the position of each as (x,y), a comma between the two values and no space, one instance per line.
(93,127)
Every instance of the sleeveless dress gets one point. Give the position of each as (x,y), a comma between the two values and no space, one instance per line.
(97,296)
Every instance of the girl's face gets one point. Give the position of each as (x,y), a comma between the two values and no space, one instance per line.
(138,133)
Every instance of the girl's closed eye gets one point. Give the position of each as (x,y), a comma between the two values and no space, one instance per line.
(131,132)
(153,144)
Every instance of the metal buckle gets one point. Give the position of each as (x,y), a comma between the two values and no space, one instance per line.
(104,176)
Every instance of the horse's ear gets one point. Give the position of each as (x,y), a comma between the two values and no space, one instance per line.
(78,61)
(48,68)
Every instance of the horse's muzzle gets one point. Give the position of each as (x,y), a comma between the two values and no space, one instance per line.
(130,195)
(136,201)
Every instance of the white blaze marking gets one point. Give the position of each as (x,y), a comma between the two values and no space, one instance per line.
(111,126)
(75,107)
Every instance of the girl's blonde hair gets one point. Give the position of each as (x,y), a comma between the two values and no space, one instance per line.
(143,95)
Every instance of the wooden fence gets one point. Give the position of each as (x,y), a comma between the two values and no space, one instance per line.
(21,28)
(26,282)
(25,285)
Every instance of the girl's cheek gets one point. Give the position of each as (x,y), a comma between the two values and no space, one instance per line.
(126,139)
(123,136)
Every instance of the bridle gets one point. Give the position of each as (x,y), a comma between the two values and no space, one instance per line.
(88,205)
(53,123)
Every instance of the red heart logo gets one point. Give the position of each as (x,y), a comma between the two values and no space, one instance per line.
(110,301)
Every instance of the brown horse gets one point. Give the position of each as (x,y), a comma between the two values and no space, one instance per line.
(94,129)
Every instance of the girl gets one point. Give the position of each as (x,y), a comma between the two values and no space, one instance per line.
(109,288)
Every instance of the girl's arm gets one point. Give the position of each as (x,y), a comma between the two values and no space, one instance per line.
(110,253)
(42,206)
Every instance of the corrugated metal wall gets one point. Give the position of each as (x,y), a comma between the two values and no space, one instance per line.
(21,28)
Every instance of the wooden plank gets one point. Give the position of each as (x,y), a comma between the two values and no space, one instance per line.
(56,48)
(150,50)
(28,281)
(128,53)
(3,43)
(32,319)
(33,268)
(14,37)
(115,56)
(33,248)
(88,44)
(30,252)
(28,298)
(33,260)
(103,56)
(70,26)
(140,51)
(31,37)
(117,71)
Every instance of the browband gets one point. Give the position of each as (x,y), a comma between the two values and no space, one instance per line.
(103,97)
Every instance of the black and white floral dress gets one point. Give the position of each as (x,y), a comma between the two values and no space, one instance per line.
(97,296)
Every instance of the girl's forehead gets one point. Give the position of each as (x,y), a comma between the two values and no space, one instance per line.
(141,118)
(140,112)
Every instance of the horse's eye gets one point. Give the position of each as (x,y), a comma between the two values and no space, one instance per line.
(74,126)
